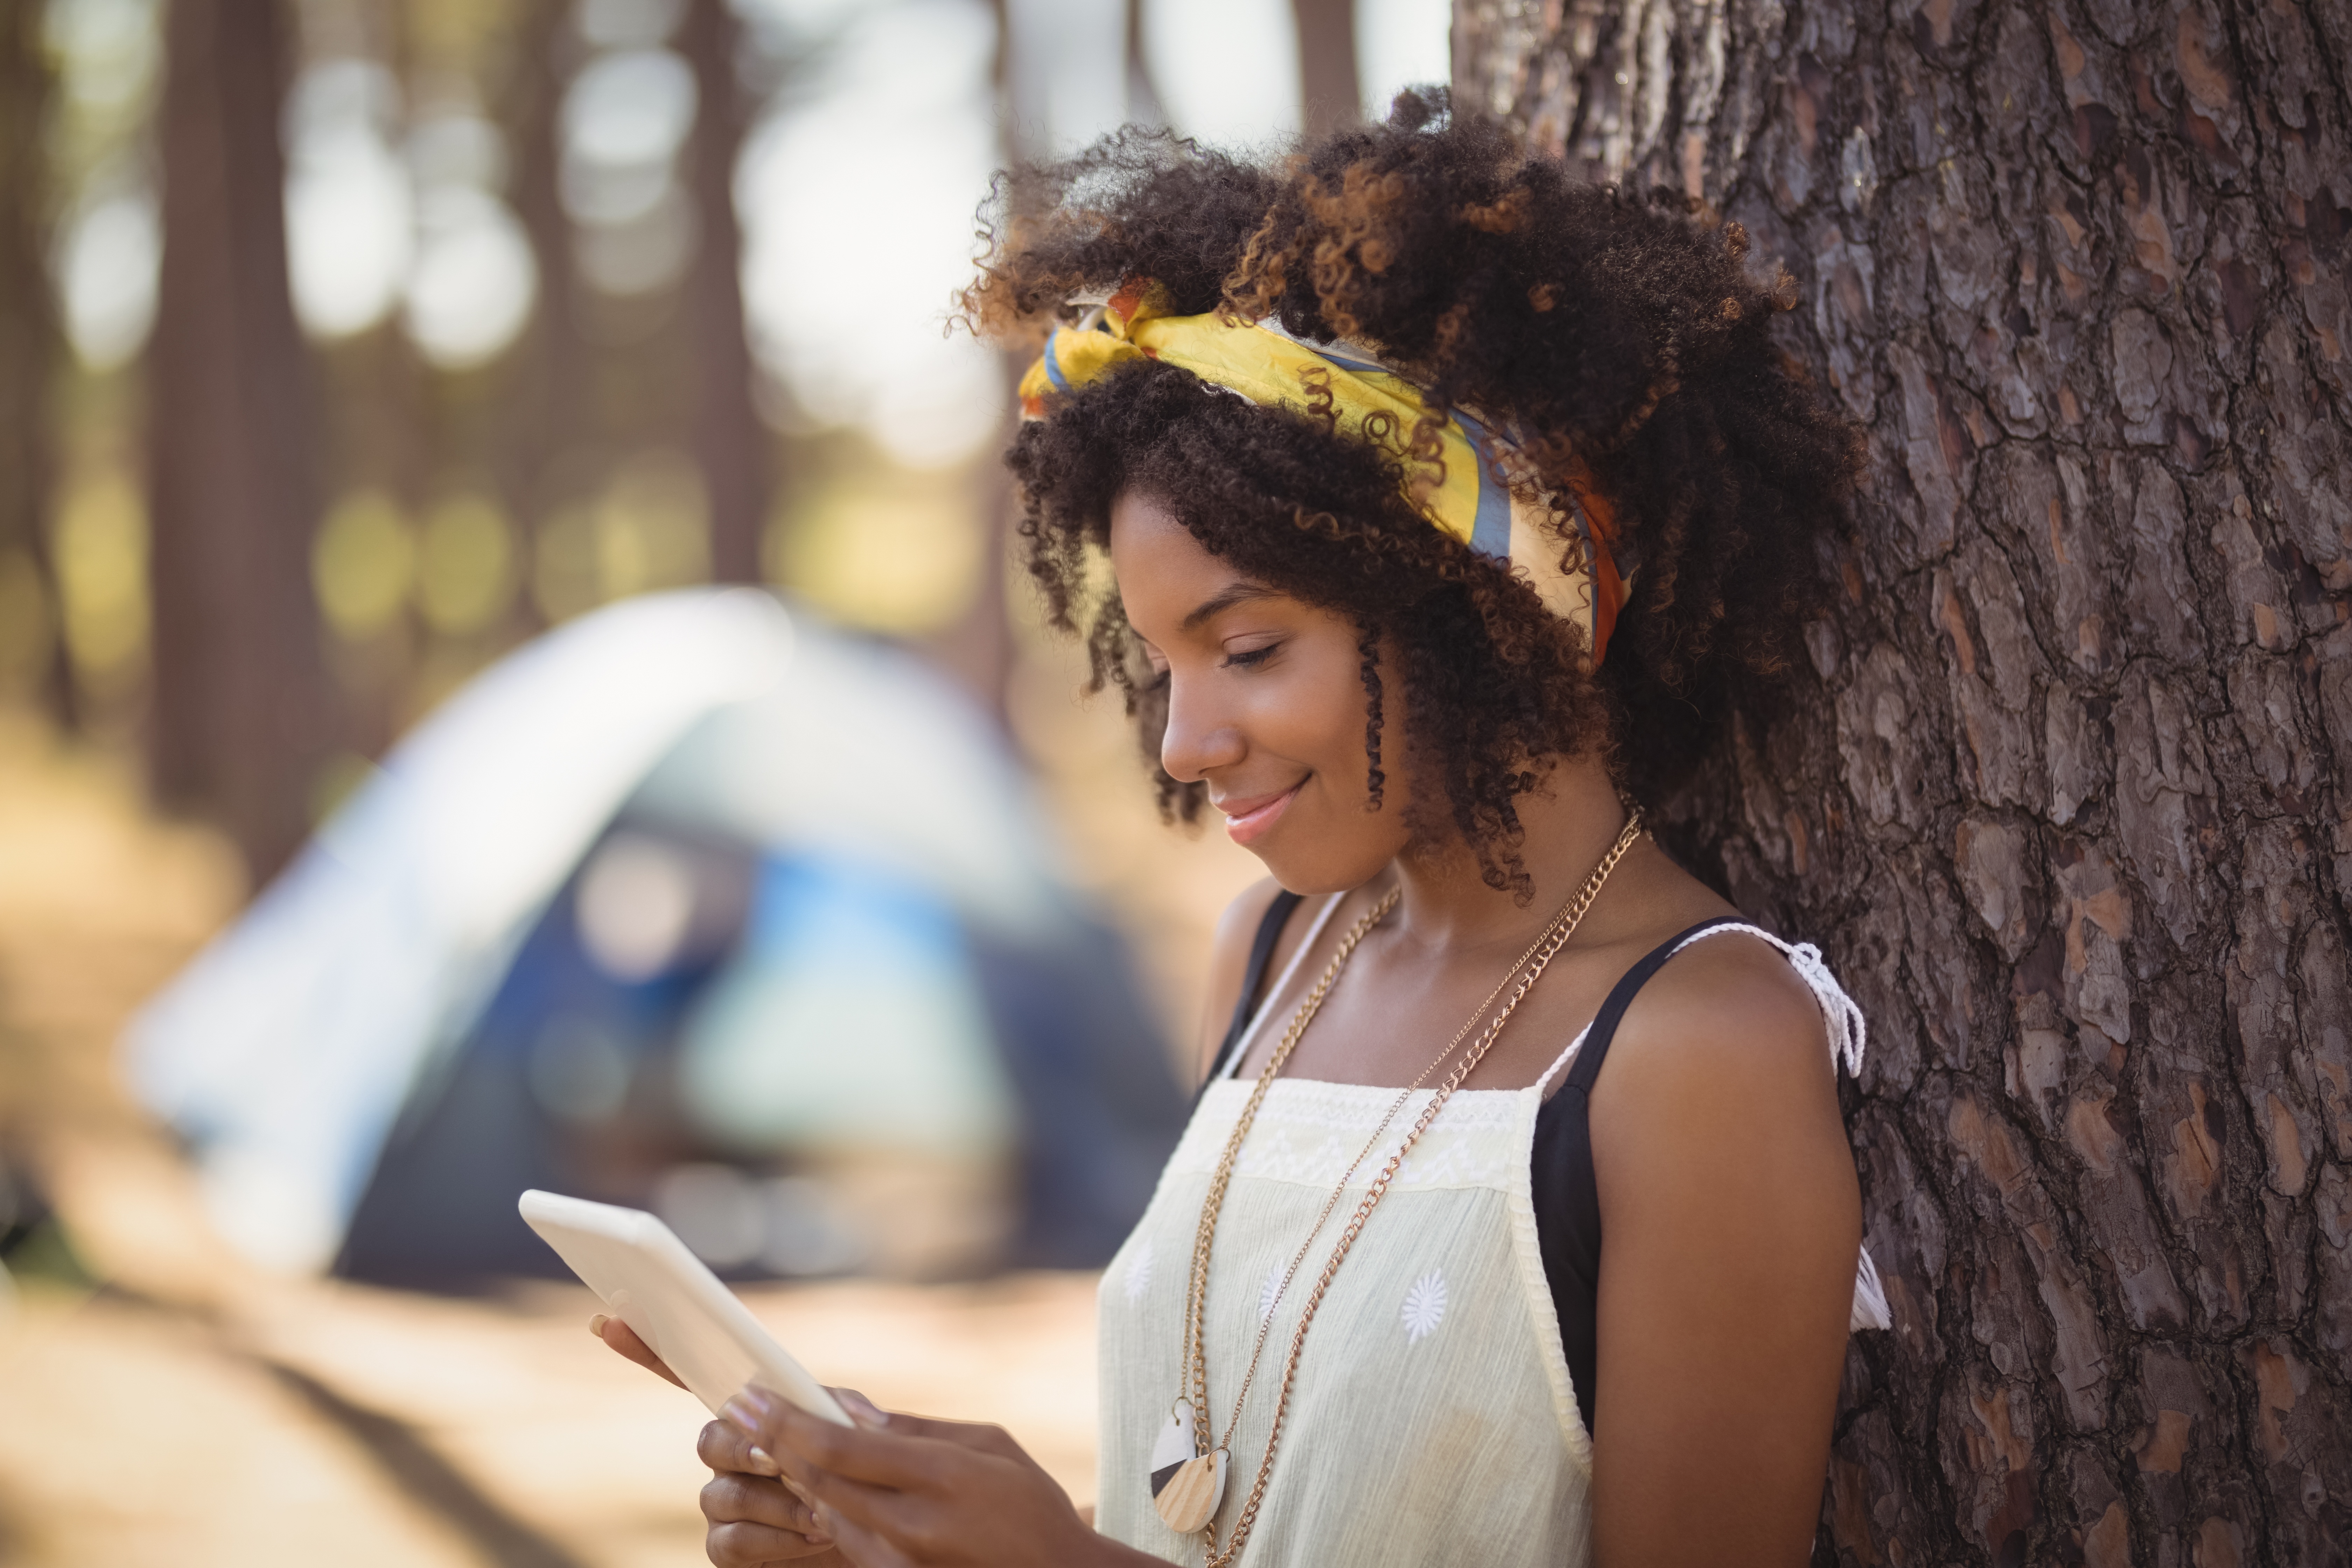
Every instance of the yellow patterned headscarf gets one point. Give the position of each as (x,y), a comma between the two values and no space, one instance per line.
(1464,491)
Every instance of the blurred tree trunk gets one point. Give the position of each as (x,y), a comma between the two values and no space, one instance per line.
(2063,791)
(241,706)
(31,650)
(1143,105)
(977,650)
(542,422)
(1328,93)
(730,441)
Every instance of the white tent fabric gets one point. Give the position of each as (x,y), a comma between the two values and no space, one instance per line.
(867,754)
(284,1052)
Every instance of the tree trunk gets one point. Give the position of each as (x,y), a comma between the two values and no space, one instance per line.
(32,653)
(2062,793)
(732,446)
(1328,93)
(1143,105)
(543,422)
(241,706)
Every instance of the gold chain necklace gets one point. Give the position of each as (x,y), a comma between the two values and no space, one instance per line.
(1190,1499)
(1266,1312)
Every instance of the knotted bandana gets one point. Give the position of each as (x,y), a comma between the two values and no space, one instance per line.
(1461,488)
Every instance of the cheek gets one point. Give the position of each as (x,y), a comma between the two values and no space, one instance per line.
(1324,712)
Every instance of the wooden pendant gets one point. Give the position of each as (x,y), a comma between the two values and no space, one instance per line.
(1186,1484)
(1190,1498)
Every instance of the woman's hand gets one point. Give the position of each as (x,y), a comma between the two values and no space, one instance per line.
(624,1342)
(755,1518)
(902,1491)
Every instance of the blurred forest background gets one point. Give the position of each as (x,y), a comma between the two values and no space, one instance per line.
(346,343)
(345,347)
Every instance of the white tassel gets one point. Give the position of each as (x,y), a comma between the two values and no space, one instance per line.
(1848,1032)
(1870,1310)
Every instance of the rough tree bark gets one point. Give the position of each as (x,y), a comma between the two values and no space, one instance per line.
(2063,792)
(30,355)
(241,706)
(730,442)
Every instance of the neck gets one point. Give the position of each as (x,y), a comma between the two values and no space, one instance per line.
(1568,825)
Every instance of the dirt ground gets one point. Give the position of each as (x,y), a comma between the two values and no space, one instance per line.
(173,1405)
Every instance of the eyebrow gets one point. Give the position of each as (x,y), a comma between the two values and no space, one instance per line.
(1218,603)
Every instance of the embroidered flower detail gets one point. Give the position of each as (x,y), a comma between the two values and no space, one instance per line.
(1425,1306)
(1268,1294)
(1138,1272)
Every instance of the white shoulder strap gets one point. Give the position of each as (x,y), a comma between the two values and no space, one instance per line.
(1848,1033)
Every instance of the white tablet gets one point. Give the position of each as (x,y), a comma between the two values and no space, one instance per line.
(650,1280)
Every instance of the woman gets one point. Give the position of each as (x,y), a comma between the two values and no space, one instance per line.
(1448,505)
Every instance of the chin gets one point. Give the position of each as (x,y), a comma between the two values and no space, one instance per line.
(1311,864)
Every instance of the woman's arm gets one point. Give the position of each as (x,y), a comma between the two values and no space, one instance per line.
(1730,1222)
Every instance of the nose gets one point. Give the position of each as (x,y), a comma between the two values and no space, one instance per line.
(1200,735)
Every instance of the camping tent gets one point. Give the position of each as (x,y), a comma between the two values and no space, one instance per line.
(791,865)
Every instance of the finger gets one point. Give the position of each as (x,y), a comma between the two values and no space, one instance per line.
(754,1500)
(981,1438)
(624,1340)
(750,1546)
(836,1499)
(880,1458)
(860,1409)
(864,1547)
(723,1446)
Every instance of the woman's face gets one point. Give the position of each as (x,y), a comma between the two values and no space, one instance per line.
(1266,706)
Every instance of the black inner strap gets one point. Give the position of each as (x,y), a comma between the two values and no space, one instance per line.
(1586,1065)
(1269,932)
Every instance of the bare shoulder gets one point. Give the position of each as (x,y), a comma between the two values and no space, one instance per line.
(1229,953)
(1726,1046)
(1714,1117)
(1729,1005)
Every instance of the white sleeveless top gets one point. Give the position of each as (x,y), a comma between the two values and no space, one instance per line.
(1433,1421)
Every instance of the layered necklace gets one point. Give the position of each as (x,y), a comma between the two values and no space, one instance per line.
(1188,1462)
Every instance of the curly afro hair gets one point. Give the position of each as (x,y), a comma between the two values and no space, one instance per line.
(1623,339)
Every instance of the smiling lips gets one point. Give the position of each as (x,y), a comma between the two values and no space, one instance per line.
(1247,819)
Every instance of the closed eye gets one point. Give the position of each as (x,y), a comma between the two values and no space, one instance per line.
(1250,657)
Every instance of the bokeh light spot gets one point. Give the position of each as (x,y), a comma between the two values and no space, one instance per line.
(363,564)
(465,565)
(894,551)
(102,565)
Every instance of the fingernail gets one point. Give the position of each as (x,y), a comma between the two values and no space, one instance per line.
(762,1465)
(596,1324)
(750,1409)
(862,1410)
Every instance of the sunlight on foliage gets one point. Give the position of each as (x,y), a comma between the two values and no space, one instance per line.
(893,551)
(648,529)
(101,564)
(363,564)
(465,565)
(653,526)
